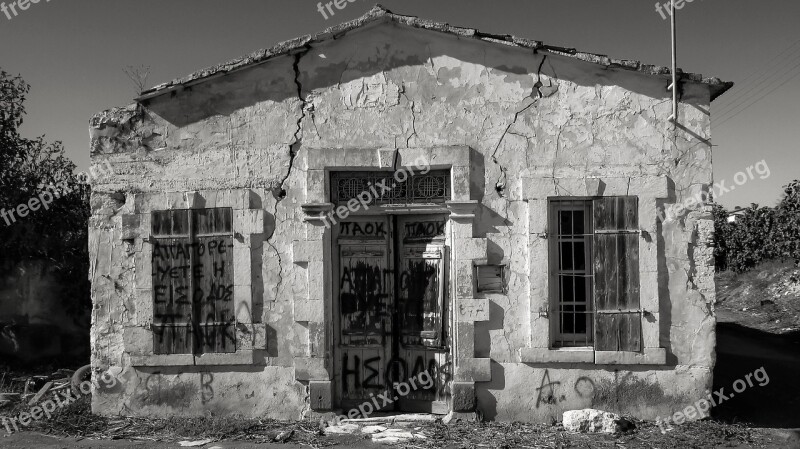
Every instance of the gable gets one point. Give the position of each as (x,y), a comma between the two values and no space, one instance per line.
(382,17)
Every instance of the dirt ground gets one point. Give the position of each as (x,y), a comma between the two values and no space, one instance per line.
(758,325)
(759,417)
(766,298)
(751,334)
(470,435)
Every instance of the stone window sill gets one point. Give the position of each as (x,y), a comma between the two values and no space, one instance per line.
(244,357)
(650,356)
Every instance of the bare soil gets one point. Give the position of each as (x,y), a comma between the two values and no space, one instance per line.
(766,298)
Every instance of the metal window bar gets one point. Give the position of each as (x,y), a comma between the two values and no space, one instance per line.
(571,317)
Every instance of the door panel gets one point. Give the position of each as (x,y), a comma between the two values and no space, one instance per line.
(364,295)
(421,296)
(392,312)
(365,304)
(422,312)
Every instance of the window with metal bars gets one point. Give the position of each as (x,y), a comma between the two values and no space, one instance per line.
(594,268)
(572,272)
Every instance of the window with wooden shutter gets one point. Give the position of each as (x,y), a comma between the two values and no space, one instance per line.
(618,319)
(193,281)
(571,272)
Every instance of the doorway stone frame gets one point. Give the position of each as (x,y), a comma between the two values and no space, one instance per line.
(313,362)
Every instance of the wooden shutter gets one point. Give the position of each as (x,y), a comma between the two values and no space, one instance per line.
(213,281)
(172,306)
(618,320)
(193,281)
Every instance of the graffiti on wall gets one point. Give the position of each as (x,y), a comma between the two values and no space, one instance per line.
(160,389)
(551,392)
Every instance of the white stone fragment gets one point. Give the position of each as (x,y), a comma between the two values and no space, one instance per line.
(341,429)
(391,436)
(372,429)
(590,420)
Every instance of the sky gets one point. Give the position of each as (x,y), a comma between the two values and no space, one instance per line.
(73,52)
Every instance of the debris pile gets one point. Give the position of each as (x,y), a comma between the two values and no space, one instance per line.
(34,387)
(387,430)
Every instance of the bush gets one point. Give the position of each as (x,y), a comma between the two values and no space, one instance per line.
(57,235)
(759,233)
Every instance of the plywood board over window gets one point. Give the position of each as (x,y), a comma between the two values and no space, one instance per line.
(193,281)
(491,278)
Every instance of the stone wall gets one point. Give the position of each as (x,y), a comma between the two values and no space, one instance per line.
(537,125)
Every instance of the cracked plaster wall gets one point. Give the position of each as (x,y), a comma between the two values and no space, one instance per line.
(527,116)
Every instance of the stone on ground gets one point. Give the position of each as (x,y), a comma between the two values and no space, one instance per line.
(591,420)
(341,429)
(391,436)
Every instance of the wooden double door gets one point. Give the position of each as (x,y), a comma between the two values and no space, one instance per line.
(391,313)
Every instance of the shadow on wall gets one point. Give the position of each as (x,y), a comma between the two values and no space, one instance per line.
(243,89)
(487,403)
(741,351)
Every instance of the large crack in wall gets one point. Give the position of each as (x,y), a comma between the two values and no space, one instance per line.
(279,192)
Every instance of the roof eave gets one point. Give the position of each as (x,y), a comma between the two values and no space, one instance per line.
(378,13)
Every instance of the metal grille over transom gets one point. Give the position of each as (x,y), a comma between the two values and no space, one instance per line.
(381,187)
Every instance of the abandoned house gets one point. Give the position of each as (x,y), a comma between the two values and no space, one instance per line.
(297,231)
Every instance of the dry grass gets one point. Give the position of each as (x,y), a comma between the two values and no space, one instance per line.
(77,421)
(502,435)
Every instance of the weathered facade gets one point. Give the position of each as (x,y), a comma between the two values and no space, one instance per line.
(514,248)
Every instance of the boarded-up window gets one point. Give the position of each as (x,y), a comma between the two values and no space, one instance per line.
(491,278)
(594,268)
(193,281)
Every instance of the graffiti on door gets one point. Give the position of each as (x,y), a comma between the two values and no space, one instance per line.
(392,313)
(376,374)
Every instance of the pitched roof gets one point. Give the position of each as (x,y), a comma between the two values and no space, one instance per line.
(379,13)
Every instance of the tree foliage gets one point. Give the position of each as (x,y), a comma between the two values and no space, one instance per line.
(787,223)
(759,233)
(57,235)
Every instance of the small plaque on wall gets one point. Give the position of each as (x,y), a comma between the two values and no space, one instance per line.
(491,278)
